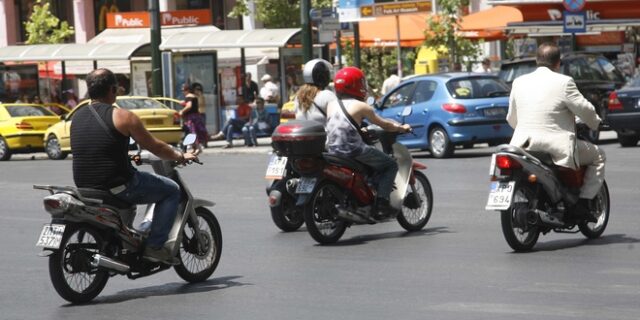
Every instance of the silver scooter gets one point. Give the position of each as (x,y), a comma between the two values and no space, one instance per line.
(91,236)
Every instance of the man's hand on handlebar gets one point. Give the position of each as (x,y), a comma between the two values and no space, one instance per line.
(189,157)
(405,128)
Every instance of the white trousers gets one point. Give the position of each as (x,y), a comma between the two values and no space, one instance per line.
(592,156)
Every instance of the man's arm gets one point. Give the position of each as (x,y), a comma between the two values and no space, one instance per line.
(388,125)
(512,115)
(580,106)
(129,124)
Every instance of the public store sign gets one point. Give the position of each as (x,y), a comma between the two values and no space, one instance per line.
(394,8)
(141,19)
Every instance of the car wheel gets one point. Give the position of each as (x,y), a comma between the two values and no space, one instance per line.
(439,144)
(5,153)
(53,149)
(628,141)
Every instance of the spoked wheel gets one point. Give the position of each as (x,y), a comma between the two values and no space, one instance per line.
(416,209)
(53,149)
(70,268)
(320,214)
(200,255)
(287,216)
(520,235)
(601,207)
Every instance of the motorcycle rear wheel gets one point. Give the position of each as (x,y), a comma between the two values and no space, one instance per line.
(414,219)
(70,270)
(320,214)
(286,215)
(200,257)
(594,230)
(521,238)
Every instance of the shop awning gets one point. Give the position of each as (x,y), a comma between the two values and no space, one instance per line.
(489,24)
(382,30)
(259,38)
(67,52)
(554,28)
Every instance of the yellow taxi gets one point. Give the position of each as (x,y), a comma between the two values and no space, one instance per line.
(161,121)
(57,108)
(22,128)
(288,112)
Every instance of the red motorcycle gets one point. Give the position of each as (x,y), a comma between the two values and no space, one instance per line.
(337,192)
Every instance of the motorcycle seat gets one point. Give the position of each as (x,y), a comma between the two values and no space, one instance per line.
(106,197)
(347,162)
(543,156)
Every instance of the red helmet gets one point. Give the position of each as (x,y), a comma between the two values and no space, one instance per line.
(351,81)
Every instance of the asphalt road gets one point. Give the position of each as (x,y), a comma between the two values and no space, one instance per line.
(458,267)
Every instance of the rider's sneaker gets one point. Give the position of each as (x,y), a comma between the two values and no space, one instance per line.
(161,255)
(582,210)
(384,208)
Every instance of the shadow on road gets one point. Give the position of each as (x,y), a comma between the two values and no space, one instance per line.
(359,240)
(572,243)
(168,289)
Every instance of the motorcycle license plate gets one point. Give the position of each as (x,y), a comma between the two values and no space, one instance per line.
(51,236)
(500,195)
(276,167)
(305,185)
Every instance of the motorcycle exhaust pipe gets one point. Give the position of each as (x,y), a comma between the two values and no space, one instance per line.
(545,218)
(108,263)
(532,217)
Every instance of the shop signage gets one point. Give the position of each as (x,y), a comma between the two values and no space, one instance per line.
(575,22)
(140,19)
(395,8)
(349,10)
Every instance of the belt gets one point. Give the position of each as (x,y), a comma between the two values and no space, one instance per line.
(118,189)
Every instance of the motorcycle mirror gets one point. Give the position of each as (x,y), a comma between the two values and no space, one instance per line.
(131,141)
(371,101)
(406,111)
(189,139)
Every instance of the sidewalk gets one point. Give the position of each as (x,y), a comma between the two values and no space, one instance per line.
(213,147)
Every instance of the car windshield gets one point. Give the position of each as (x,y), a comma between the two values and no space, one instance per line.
(133,104)
(477,88)
(28,111)
(510,72)
(633,83)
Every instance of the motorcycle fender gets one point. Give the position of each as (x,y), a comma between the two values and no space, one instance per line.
(202,203)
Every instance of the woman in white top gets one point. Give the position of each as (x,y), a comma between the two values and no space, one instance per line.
(312,98)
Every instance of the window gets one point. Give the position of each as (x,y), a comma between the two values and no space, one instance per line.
(399,97)
(477,88)
(610,70)
(28,111)
(132,104)
(424,91)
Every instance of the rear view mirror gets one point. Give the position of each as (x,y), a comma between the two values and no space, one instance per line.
(131,141)
(189,139)
(371,101)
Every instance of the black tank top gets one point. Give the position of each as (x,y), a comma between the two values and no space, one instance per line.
(100,160)
(194,105)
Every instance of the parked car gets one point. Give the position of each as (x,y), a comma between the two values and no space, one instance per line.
(450,109)
(595,76)
(22,128)
(287,112)
(624,113)
(161,121)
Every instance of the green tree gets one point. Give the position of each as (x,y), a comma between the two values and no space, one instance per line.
(276,13)
(443,33)
(43,27)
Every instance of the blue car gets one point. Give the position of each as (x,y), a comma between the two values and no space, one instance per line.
(450,109)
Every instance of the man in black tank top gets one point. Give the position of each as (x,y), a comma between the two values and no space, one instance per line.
(99,143)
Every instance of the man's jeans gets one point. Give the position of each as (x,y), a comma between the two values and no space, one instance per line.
(145,188)
(233,125)
(386,169)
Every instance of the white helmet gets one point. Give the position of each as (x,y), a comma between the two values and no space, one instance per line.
(317,72)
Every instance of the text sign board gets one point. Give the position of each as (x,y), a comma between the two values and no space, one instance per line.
(141,19)
(575,22)
(394,8)
(319,14)
(349,10)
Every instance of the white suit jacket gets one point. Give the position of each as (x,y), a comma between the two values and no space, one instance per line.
(542,110)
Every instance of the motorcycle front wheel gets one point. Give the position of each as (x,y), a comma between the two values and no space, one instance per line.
(320,214)
(70,268)
(415,214)
(601,207)
(286,215)
(520,235)
(200,255)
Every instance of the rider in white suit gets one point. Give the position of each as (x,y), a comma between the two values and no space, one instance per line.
(542,109)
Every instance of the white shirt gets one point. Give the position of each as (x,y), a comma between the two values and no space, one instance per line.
(269,91)
(389,84)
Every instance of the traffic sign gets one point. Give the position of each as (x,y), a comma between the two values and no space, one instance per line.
(575,22)
(394,8)
(574,5)
(318,14)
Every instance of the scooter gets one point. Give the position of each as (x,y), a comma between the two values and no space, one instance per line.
(534,196)
(91,236)
(336,192)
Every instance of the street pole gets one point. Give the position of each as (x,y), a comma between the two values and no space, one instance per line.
(399,58)
(305,6)
(356,44)
(156,67)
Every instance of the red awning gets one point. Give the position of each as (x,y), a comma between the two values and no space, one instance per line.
(381,32)
(489,24)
